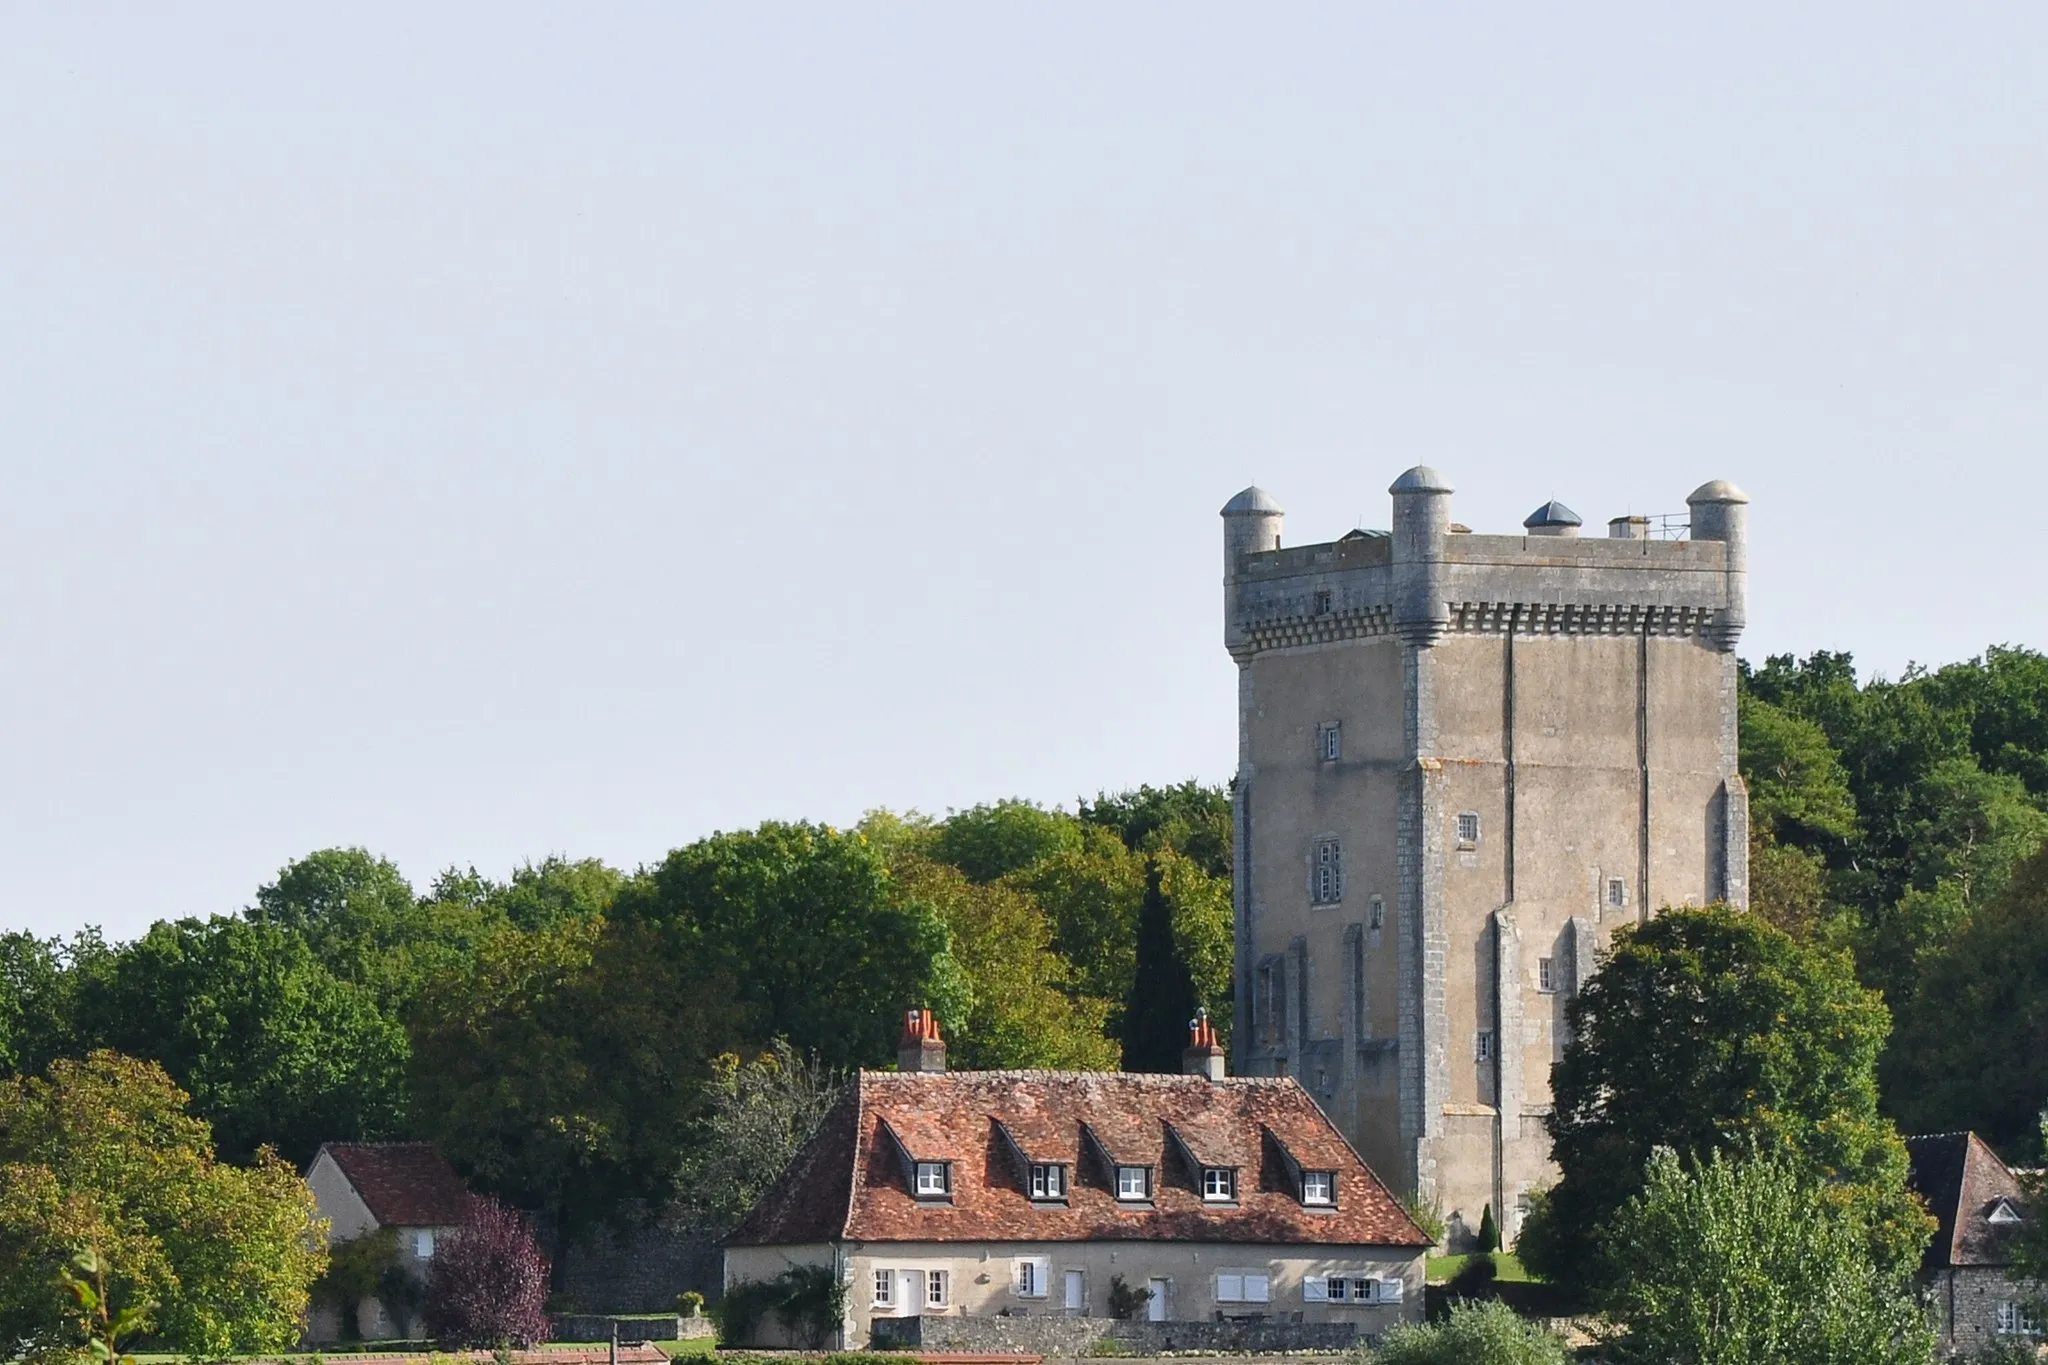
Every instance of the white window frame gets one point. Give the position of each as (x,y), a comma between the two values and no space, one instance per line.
(1143,1191)
(938,1189)
(1319,1188)
(938,1288)
(1326,875)
(1546,975)
(1219,1184)
(1028,1276)
(1468,819)
(1048,1181)
(1330,741)
(885,1288)
(1244,1286)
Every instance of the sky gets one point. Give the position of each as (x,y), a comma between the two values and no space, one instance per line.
(480,432)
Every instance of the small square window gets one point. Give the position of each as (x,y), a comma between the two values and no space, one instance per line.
(1048,1182)
(1482,1045)
(1468,829)
(935,1288)
(1546,974)
(1330,741)
(1134,1182)
(1318,1187)
(931,1180)
(885,1288)
(1617,892)
(1219,1184)
(1323,601)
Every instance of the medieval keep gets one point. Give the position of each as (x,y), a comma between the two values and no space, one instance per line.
(1463,761)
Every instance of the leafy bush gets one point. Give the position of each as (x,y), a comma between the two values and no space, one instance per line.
(690,1303)
(742,1309)
(1427,1217)
(355,1270)
(1108,1348)
(1125,1302)
(809,1301)
(1473,1334)
(488,1285)
(862,1358)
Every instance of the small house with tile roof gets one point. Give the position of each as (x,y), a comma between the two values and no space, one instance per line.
(366,1187)
(1967,1267)
(1200,1197)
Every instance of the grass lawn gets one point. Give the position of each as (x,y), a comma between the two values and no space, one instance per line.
(695,1346)
(1438,1269)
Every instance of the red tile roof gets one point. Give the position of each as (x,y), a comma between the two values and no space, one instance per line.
(1963,1181)
(850,1181)
(405,1184)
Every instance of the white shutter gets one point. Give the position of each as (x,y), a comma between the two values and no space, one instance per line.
(1257,1289)
(1315,1289)
(1389,1291)
(1230,1289)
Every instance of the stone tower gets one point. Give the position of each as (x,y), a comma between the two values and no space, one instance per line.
(1463,761)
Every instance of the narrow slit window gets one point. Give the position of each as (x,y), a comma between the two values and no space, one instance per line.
(1546,975)
(1482,1045)
(1376,913)
(1330,741)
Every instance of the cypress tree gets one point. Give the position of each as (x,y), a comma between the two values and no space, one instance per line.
(1162,998)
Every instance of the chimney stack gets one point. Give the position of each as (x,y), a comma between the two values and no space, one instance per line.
(920,1049)
(1204,1055)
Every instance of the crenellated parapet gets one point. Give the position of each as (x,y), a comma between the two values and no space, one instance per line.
(1428,577)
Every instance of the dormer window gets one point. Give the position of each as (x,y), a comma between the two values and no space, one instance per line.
(1319,1188)
(1134,1182)
(2003,1214)
(934,1180)
(1048,1181)
(1219,1184)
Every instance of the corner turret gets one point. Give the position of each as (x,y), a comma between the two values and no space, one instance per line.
(1422,518)
(1251,523)
(1720,511)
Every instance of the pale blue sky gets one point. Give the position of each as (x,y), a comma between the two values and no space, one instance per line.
(481,431)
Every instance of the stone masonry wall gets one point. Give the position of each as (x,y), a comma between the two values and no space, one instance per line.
(1065,1336)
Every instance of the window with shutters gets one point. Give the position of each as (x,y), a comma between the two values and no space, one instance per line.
(1031,1276)
(1243,1286)
(1328,886)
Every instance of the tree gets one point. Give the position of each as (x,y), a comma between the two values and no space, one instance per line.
(1798,789)
(488,1284)
(802,920)
(39,987)
(1709,1030)
(539,895)
(1188,818)
(1473,1334)
(1972,1047)
(564,1069)
(1016,1007)
(1091,896)
(1739,1261)
(761,1114)
(103,1155)
(986,842)
(272,1048)
(1163,990)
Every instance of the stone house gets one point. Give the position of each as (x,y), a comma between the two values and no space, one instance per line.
(367,1187)
(954,1204)
(1967,1267)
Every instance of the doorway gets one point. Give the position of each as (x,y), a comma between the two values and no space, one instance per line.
(1155,1307)
(1077,1293)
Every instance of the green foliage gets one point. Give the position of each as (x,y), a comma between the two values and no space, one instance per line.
(1708,1030)
(1189,818)
(1475,1277)
(1798,789)
(801,920)
(1017,1007)
(1755,1262)
(863,1358)
(564,1068)
(1489,1231)
(272,1047)
(355,1271)
(1090,897)
(40,980)
(1109,1348)
(1486,1333)
(103,1154)
(103,1327)
(1429,1218)
(808,1301)
(1126,1303)
(987,842)
(1974,1050)
(540,895)
(690,1304)
(761,1114)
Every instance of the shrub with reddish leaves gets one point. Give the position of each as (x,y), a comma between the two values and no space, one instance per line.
(488,1284)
